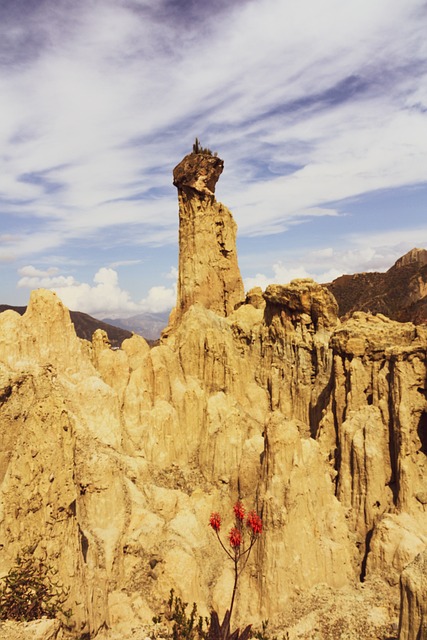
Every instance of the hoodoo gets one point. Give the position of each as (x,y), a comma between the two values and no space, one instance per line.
(208,270)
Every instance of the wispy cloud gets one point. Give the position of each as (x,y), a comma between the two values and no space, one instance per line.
(309,104)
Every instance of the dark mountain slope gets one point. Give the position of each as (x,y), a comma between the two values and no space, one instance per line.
(400,293)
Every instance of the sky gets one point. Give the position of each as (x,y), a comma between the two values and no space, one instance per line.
(318,109)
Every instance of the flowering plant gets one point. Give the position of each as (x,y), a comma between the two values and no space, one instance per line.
(242,537)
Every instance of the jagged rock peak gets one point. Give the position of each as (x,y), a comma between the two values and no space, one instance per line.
(414,256)
(198,171)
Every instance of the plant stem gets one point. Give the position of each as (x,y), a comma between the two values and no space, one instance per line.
(236,577)
(247,552)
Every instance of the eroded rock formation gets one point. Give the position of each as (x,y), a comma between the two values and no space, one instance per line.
(208,270)
(112,461)
(413,616)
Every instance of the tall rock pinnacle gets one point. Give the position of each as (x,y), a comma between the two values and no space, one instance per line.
(208,270)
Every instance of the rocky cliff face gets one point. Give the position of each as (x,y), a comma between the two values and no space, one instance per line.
(400,293)
(112,461)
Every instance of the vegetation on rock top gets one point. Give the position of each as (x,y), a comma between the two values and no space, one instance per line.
(199,150)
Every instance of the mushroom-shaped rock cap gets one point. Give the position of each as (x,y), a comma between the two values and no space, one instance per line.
(198,171)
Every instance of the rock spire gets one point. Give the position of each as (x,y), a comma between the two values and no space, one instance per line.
(208,270)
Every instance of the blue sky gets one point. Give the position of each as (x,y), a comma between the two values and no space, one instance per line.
(319,110)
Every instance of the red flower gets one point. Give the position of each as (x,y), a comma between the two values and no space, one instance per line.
(235,538)
(254,522)
(215,521)
(239,511)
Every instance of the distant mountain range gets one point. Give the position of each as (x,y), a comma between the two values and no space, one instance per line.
(148,325)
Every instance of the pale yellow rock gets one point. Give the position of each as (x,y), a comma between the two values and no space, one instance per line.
(366,611)
(376,333)
(396,541)
(208,270)
(307,300)
(256,298)
(135,348)
(44,335)
(308,540)
(365,471)
(150,429)
(36,630)
(413,604)
(112,365)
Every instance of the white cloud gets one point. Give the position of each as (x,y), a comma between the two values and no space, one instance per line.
(46,283)
(33,278)
(159,299)
(173,274)
(28,244)
(124,263)
(400,240)
(281,274)
(31,272)
(103,298)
